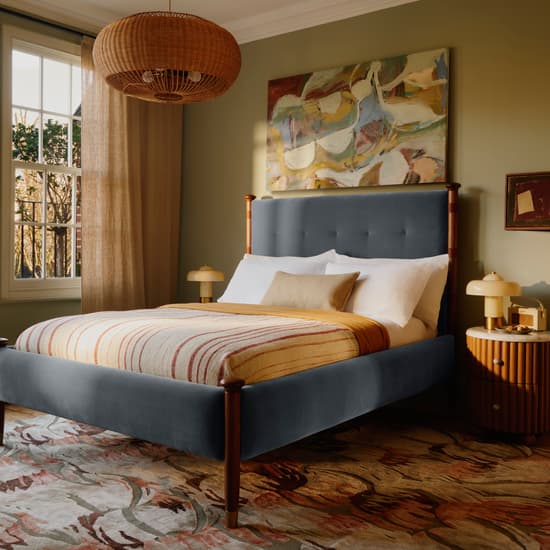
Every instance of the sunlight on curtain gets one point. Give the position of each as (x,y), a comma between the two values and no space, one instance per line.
(131,179)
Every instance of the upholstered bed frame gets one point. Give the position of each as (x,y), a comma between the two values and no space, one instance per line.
(236,422)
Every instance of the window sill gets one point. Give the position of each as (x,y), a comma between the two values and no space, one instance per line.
(38,291)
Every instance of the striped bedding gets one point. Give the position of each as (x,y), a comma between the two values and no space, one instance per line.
(208,343)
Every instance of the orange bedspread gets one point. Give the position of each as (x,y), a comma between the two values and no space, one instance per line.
(208,343)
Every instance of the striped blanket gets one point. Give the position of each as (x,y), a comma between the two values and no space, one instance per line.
(208,343)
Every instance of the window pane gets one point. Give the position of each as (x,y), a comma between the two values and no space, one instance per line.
(26,79)
(28,251)
(78,256)
(58,251)
(76,96)
(46,114)
(59,198)
(25,135)
(57,86)
(28,196)
(55,146)
(78,197)
(77,125)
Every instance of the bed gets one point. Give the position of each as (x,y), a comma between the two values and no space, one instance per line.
(234,421)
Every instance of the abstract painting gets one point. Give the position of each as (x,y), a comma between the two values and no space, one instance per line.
(383,122)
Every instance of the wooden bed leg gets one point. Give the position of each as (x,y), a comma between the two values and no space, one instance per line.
(232,451)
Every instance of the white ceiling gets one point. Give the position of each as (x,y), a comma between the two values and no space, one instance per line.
(248,20)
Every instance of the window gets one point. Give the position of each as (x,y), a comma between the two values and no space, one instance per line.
(41,167)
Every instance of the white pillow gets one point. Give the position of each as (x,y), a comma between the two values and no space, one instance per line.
(327,256)
(253,276)
(428,306)
(384,291)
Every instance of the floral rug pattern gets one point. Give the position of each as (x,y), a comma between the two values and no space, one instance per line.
(382,481)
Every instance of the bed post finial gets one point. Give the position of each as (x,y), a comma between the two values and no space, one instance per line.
(249,199)
(452,194)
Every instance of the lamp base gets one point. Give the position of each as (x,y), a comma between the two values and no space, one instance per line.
(206,299)
(491,323)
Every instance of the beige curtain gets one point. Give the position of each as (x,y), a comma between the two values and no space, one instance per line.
(131,178)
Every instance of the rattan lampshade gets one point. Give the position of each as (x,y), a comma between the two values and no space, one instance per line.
(167,57)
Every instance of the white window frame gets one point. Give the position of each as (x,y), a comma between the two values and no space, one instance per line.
(12,289)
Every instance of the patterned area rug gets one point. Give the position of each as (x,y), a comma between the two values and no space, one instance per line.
(383,481)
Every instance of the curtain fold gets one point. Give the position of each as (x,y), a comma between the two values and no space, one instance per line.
(131,185)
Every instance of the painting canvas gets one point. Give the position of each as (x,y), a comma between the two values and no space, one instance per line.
(528,201)
(383,122)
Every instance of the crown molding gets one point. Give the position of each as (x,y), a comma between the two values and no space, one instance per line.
(303,15)
(299,15)
(73,18)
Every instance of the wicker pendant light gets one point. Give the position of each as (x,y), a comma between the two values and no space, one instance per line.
(167,57)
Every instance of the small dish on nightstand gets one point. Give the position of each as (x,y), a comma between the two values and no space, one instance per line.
(515,329)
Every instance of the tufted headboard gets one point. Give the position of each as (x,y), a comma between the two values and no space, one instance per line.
(373,225)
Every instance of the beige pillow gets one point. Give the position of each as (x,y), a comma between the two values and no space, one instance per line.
(310,291)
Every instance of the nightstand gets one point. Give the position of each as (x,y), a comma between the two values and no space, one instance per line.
(508,380)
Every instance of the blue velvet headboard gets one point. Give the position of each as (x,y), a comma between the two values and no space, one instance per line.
(375,225)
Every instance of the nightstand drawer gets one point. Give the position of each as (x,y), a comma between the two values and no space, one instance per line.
(501,406)
(512,362)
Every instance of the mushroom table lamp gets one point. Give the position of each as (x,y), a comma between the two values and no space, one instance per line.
(205,275)
(493,287)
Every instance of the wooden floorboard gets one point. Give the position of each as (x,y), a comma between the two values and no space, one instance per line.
(14,412)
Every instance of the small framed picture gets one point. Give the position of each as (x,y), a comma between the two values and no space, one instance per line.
(528,201)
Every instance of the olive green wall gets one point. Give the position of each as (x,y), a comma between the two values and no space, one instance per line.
(498,124)
(499,113)
(14,317)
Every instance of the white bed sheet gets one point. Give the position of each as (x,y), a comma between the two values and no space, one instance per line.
(414,331)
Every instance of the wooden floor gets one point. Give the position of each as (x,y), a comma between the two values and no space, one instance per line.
(14,412)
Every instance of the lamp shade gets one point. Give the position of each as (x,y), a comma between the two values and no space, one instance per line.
(493,285)
(167,57)
(205,274)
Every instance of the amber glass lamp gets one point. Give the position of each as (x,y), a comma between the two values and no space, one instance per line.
(205,275)
(494,288)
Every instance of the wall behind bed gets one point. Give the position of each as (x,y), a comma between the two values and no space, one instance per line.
(499,112)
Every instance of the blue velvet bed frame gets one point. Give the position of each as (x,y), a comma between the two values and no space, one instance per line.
(236,422)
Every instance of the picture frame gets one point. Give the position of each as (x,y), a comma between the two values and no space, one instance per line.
(528,201)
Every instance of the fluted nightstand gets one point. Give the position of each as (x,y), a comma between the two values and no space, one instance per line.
(508,380)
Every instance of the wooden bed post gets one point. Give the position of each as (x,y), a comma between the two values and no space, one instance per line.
(232,451)
(232,465)
(452,191)
(249,199)
(3,344)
